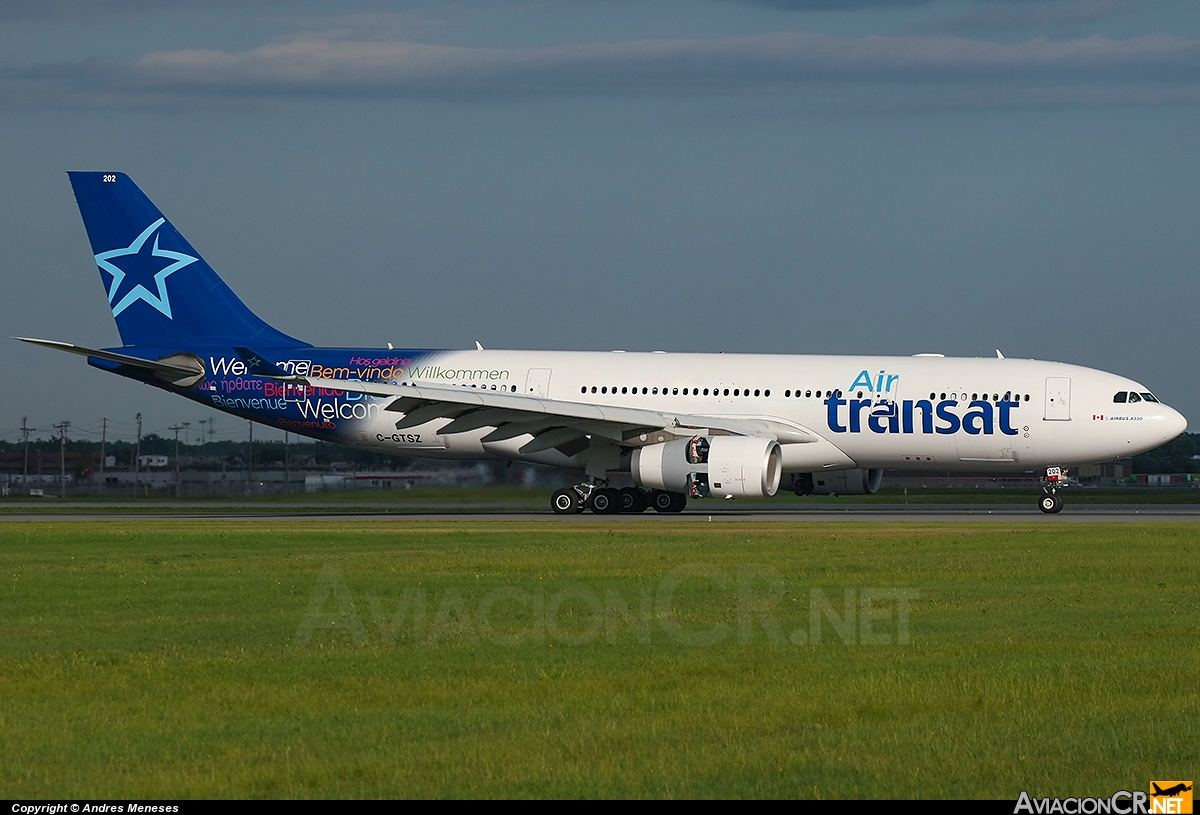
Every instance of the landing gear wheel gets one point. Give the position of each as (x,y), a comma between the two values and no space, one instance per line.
(606,501)
(669,501)
(1050,503)
(661,501)
(634,500)
(566,502)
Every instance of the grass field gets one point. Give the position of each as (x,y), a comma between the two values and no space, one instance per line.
(391,658)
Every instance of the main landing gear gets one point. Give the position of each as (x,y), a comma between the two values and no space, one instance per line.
(611,501)
(1050,502)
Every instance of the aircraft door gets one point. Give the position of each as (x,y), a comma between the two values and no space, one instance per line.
(1058,399)
(537,382)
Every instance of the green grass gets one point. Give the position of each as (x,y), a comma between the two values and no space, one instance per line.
(151,659)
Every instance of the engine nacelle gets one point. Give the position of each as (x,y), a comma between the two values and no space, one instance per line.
(837,482)
(724,466)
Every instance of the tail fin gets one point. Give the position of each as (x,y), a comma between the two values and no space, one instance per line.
(161,291)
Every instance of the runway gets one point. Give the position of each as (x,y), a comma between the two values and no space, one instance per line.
(1176,513)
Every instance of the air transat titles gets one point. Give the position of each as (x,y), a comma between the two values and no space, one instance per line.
(888,416)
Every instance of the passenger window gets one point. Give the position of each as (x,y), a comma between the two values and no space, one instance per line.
(1120,397)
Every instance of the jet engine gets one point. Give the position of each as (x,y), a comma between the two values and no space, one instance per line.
(724,466)
(837,482)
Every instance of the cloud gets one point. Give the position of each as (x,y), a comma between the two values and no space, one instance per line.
(91,10)
(1040,15)
(328,65)
(835,5)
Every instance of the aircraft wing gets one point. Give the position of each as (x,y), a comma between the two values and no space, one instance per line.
(552,422)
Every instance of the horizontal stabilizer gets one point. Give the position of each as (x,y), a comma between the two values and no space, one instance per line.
(184,370)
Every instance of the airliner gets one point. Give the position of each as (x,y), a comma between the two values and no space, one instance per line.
(646,430)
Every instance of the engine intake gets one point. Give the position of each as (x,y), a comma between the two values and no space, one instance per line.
(724,466)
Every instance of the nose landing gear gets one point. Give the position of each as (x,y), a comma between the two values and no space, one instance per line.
(1050,502)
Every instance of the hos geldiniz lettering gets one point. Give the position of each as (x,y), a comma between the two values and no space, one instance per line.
(885,414)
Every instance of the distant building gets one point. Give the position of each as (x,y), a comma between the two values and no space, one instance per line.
(1106,473)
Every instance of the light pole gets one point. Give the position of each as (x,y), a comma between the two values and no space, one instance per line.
(25,431)
(250,460)
(137,454)
(61,427)
(176,428)
(103,444)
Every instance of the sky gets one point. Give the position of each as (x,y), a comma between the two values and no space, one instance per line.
(781,176)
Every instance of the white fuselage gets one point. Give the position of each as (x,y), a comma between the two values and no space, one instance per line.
(920,412)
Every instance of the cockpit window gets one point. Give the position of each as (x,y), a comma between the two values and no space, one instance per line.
(1120,396)
(1149,397)
(1133,397)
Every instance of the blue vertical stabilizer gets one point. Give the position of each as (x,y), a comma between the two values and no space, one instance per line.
(162,293)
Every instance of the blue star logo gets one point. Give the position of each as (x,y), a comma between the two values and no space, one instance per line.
(142,268)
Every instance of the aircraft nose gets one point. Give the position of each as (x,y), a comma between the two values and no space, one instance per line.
(1175,422)
(1166,423)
